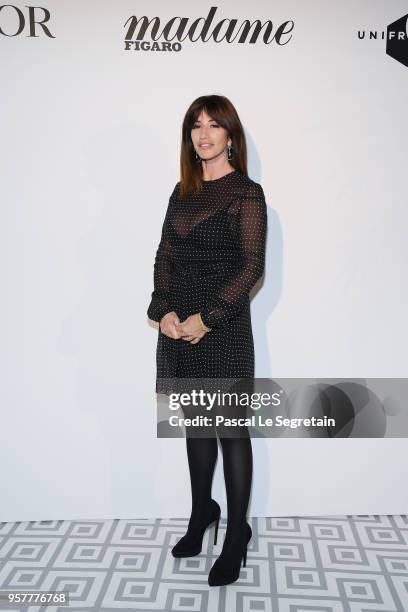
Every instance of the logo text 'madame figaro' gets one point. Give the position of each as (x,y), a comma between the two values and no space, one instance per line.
(178,29)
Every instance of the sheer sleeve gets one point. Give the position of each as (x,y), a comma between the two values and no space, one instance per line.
(160,298)
(252,226)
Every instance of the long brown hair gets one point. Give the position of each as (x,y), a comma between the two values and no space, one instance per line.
(221,110)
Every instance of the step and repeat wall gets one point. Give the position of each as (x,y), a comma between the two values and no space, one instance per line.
(92,99)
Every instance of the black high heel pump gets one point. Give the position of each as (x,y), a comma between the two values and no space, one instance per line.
(191,543)
(227,567)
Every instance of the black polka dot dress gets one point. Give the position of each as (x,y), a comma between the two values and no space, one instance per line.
(211,253)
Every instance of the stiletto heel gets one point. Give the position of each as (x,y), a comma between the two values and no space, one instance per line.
(216,530)
(191,543)
(228,565)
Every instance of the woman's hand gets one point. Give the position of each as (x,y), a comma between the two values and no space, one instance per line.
(168,325)
(190,329)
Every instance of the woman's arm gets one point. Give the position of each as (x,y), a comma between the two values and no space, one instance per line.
(252,223)
(160,301)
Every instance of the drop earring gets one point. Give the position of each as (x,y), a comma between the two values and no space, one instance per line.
(230,155)
(197,157)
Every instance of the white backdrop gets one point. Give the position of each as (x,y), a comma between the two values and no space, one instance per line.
(90,138)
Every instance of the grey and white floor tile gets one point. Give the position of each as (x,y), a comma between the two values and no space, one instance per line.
(294,564)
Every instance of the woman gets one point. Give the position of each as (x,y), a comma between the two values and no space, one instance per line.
(211,253)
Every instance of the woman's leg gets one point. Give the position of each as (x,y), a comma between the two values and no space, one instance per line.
(237,453)
(202,456)
(237,459)
(237,456)
(202,451)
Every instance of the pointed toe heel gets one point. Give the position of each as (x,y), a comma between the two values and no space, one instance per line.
(191,543)
(227,567)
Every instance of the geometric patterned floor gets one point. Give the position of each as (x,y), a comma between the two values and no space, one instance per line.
(294,564)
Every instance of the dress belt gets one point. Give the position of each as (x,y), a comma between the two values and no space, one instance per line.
(201,257)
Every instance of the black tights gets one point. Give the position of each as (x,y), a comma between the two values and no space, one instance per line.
(237,459)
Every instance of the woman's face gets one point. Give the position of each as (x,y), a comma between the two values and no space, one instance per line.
(206,131)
